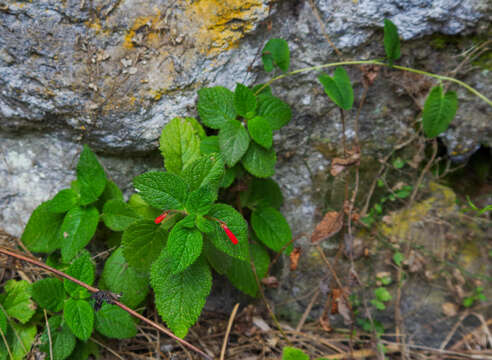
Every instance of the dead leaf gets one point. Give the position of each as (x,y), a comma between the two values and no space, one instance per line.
(294,258)
(449,309)
(261,324)
(270,281)
(325,322)
(340,164)
(344,311)
(370,74)
(330,225)
(335,295)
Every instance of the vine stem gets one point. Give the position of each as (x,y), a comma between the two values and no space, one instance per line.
(115,302)
(377,62)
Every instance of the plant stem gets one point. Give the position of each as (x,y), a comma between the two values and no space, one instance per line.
(377,62)
(95,290)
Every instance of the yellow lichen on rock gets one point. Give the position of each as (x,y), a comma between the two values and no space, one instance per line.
(223,22)
(143,23)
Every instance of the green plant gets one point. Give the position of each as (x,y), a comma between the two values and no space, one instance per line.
(180,224)
(477,296)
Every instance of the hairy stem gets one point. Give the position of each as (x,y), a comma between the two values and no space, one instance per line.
(377,62)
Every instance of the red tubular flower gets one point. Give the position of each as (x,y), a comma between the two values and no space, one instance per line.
(161,217)
(229,233)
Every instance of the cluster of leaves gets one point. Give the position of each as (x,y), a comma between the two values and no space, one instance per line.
(477,296)
(292,353)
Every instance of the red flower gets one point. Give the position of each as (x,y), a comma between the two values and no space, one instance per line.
(161,217)
(229,233)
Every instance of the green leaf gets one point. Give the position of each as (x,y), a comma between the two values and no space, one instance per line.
(111,192)
(210,145)
(338,88)
(260,193)
(261,131)
(61,338)
(197,127)
(398,258)
(398,163)
(17,302)
(200,201)
(259,161)
(184,245)
(216,106)
(276,52)
(179,145)
(77,230)
(119,277)
(84,349)
(240,273)
(391,41)
(468,302)
(90,177)
(118,215)
(233,141)
(439,111)
(162,190)
(115,323)
(271,228)
(204,225)
(378,304)
(79,316)
(236,223)
(382,294)
(143,209)
(244,101)
(63,201)
(19,339)
(179,298)
(142,243)
(49,294)
(274,110)
(42,230)
(208,170)
(229,176)
(82,269)
(290,353)
(267,91)
(3,322)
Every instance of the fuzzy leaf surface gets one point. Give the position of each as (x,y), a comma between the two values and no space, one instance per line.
(17,302)
(291,353)
(276,52)
(210,145)
(118,215)
(82,269)
(62,340)
(208,170)
(184,244)
(233,141)
(245,101)
(65,200)
(236,223)
(391,41)
(262,192)
(241,275)
(259,161)
(216,106)
(271,228)
(142,243)
(115,323)
(119,277)
(277,112)
(162,190)
(200,201)
(79,316)
(261,131)
(179,145)
(77,230)
(90,177)
(439,111)
(41,233)
(20,339)
(49,293)
(179,298)
(338,88)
